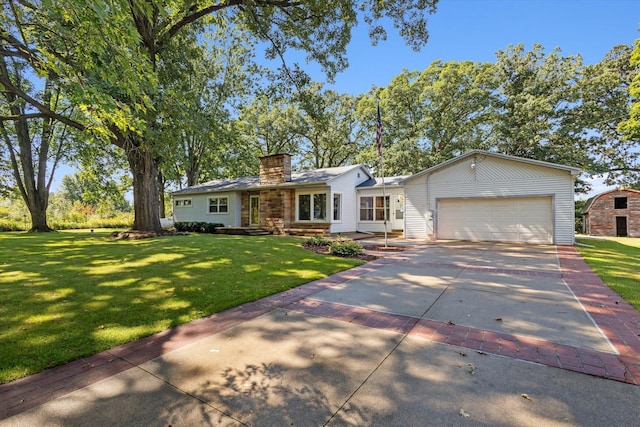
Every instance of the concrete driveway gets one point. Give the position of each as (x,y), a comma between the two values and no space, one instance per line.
(448,333)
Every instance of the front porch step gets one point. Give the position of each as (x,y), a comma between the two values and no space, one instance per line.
(306,231)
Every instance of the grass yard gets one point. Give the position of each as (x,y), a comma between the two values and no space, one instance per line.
(70,294)
(617,261)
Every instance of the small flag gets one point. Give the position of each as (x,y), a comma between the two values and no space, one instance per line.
(379,133)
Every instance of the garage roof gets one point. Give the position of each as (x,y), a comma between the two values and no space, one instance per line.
(570,169)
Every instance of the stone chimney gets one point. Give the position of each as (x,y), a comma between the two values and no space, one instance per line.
(275,169)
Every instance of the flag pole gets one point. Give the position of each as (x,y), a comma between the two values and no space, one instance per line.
(384,194)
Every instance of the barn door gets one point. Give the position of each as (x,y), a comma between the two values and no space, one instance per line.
(621,226)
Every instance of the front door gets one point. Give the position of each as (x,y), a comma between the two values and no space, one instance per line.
(254,210)
(397,217)
(621,226)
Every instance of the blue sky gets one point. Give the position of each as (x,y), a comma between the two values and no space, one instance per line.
(475,29)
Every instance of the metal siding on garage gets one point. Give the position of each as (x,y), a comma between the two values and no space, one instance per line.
(511,219)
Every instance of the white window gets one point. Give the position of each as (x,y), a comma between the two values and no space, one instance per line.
(373,208)
(218,205)
(337,207)
(182,202)
(312,207)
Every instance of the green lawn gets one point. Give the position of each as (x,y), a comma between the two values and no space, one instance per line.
(617,261)
(70,294)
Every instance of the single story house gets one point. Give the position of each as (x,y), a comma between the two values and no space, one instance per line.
(613,213)
(478,195)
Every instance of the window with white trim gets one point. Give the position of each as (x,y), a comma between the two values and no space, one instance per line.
(218,205)
(337,207)
(372,208)
(182,202)
(312,207)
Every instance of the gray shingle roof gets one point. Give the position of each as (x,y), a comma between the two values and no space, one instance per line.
(316,176)
(388,180)
(227,184)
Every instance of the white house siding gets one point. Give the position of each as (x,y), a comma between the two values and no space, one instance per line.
(375,226)
(199,209)
(417,222)
(495,177)
(346,185)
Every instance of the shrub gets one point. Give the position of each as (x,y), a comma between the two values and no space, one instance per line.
(9,225)
(317,241)
(345,248)
(197,227)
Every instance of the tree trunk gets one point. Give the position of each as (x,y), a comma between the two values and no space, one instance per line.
(38,210)
(146,203)
(161,190)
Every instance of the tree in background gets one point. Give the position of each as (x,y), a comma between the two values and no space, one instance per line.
(196,122)
(102,193)
(270,124)
(535,105)
(33,144)
(432,115)
(622,150)
(106,55)
(328,135)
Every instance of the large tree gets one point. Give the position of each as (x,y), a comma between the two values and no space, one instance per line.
(32,144)
(432,115)
(269,124)
(535,105)
(107,55)
(619,125)
(330,135)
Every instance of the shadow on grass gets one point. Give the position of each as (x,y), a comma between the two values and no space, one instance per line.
(617,265)
(69,295)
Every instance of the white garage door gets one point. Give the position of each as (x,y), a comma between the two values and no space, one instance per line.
(526,219)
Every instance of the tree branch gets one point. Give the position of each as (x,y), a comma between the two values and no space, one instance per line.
(23,117)
(44,110)
(190,18)
(623,170)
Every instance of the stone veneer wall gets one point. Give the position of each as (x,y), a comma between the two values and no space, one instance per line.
(275,169)
(602,214)
(276,209)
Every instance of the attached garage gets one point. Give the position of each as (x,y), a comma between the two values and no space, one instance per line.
(511,219)
(488,196)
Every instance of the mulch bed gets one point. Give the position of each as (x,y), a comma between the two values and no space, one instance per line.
(388,248)
(368,256)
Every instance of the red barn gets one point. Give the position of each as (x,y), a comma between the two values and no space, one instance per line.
(614,213)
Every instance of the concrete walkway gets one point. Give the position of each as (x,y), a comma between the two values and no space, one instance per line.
(448,333)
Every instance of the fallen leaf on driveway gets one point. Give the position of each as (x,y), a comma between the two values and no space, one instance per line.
(472,368)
